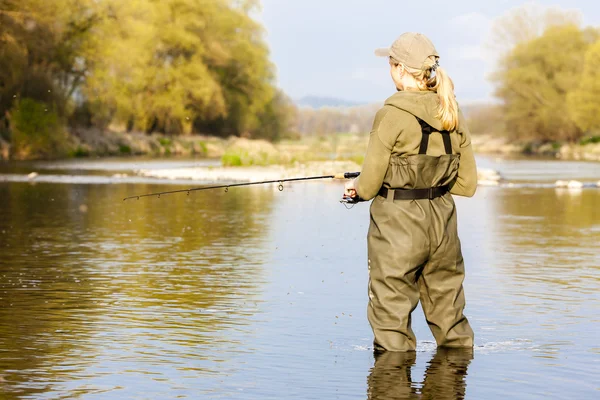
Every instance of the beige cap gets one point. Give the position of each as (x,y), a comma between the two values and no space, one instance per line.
(411,49)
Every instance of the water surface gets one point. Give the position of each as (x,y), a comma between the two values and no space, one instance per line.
(261,294)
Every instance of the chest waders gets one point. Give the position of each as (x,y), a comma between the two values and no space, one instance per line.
(414,251)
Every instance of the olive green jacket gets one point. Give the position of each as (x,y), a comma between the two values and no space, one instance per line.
(397,132)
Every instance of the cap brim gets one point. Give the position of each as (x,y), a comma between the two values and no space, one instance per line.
(383,52)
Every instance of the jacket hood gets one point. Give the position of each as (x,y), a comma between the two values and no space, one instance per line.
(420,104)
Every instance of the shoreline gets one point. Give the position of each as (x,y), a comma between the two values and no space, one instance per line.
(492,145)
(231,175)
(206,171)
(88,143)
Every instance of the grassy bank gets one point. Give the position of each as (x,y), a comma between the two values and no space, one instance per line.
(336,147)
(232,151)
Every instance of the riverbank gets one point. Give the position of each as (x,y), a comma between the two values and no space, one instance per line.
(490,144)
(500,172)
(233,151)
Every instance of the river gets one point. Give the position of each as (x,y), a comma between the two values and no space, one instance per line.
(261,294)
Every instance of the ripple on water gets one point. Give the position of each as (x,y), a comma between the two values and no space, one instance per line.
(427,346)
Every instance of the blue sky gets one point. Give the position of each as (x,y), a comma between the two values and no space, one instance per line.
(325,47)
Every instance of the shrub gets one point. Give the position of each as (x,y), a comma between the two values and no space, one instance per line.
(165,142)
(590,140)
(203,147)
(80,152)
(243,152)
(231,160)
(37,131)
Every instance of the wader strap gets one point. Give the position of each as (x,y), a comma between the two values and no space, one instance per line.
(426,130)
(447,142)
(415,194)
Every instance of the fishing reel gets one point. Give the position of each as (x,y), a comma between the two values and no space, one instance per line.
(349,201)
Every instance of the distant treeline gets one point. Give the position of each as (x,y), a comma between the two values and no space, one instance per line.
(326,120)
(169,66)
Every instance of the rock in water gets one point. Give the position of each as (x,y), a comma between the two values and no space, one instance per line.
(488,177)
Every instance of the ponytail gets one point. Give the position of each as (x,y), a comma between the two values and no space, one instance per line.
(439,83)
(448,108)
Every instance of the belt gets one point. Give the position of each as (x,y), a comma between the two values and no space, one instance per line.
(415,194)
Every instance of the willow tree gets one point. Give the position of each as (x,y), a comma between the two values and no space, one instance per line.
(534,80)
(40,63)
(171,66)
(584,101)
(175,65)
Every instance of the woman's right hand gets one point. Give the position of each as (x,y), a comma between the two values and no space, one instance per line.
(350,190)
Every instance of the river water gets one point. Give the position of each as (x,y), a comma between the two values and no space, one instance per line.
(261,294)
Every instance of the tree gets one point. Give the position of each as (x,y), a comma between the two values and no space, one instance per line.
(278,118)
(535,78)
(164,66)
(167,66)
(584,101)
(40,45)
(527,22)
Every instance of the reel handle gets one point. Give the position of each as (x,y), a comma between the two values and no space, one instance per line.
(346,175)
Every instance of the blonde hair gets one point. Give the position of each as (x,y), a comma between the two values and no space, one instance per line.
(439,83)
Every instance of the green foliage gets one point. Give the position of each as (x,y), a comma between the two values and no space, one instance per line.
(232,160)
(37,131)
(590,140)
(165,142)
(535,79)
(124,149)
(203,147)
(41,48)
(80,152)
(169,66)
(584,101)
(243,152)
(556,146)
(177,65)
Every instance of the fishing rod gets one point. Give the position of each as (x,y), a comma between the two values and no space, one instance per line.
(344,175)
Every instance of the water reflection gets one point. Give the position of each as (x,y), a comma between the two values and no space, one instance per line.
(445,377)
(547,262)
(91,287)
(550,236)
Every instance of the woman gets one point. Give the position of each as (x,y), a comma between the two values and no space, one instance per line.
(419,154)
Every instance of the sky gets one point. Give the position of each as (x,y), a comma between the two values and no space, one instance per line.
(325,47)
